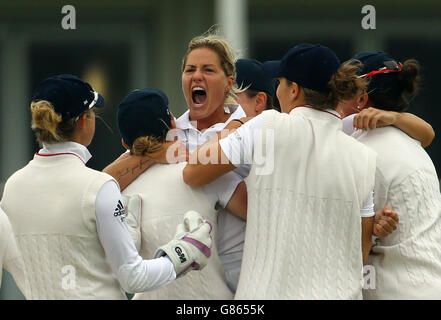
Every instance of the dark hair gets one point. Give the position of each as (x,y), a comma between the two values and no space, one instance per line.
(398,95)
(343,85)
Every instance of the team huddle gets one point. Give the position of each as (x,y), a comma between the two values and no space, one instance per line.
(281,181)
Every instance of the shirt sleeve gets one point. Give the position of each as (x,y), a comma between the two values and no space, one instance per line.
(13,260)
(368,207)
(133,273)
(220,191)
(238,146)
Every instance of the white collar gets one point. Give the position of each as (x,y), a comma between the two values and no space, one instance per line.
(331,111)
(67,147)
(236,111)
(335,112)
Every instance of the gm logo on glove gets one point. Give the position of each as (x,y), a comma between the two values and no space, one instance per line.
(181,255)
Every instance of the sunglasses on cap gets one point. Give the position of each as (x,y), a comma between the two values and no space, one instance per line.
(389,66)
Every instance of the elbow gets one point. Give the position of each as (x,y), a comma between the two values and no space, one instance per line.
(190,178)
(128,286)
(429,139)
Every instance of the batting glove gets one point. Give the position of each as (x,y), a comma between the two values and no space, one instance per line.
(191,247)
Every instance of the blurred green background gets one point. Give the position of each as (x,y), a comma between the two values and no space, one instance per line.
(119,46)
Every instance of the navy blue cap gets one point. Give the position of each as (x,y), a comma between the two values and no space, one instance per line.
(249,74)
(310,66)
(69,95)
(373,61)
(143,113)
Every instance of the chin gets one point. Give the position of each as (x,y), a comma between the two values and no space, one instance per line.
(197,114)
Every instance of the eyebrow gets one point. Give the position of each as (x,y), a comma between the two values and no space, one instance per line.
(205,65)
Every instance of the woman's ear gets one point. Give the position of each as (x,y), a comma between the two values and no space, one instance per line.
(172,123)
(230,81)
(295,90)
(125,145)
(261,99)
(363,100)
(81,122)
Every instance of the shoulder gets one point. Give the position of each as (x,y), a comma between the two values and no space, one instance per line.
(159,176)
(388,139)
(356,148)
(385,133)
(268,115)
(280,120)
(20,176)
(96,178)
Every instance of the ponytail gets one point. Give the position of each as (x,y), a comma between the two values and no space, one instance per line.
(397,89)
(409,79)
(45,121)
(344,85)
(146,145)
(48,125)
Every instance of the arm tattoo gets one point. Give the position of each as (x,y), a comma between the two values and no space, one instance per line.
(141,165)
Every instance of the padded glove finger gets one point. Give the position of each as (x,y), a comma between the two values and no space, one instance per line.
(192,220)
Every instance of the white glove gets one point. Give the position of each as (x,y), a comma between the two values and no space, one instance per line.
(191,246)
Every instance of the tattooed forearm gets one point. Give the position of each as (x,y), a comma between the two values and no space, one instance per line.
(135,171)
(143,164)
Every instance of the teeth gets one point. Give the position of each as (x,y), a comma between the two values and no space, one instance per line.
(197,88)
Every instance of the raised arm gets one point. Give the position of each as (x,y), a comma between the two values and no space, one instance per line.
(412,125)
(206,164)
(209,161)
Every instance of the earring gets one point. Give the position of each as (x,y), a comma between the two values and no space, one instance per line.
(358,107)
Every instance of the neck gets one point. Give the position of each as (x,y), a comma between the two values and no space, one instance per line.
(296,104)
(79,139)
(218,116)
(339,109)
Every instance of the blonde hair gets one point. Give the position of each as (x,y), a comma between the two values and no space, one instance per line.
(143,146)
(344,85)
(49,125)
(227,56)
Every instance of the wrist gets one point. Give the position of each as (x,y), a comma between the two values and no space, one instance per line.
(396,116)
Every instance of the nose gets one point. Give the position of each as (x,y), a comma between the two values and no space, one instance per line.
(197,75)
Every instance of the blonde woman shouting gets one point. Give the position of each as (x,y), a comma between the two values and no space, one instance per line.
(207,73)
(310,219)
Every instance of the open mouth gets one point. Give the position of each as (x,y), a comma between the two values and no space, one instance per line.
(199,96)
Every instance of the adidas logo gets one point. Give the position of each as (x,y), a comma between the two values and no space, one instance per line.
(120,211)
